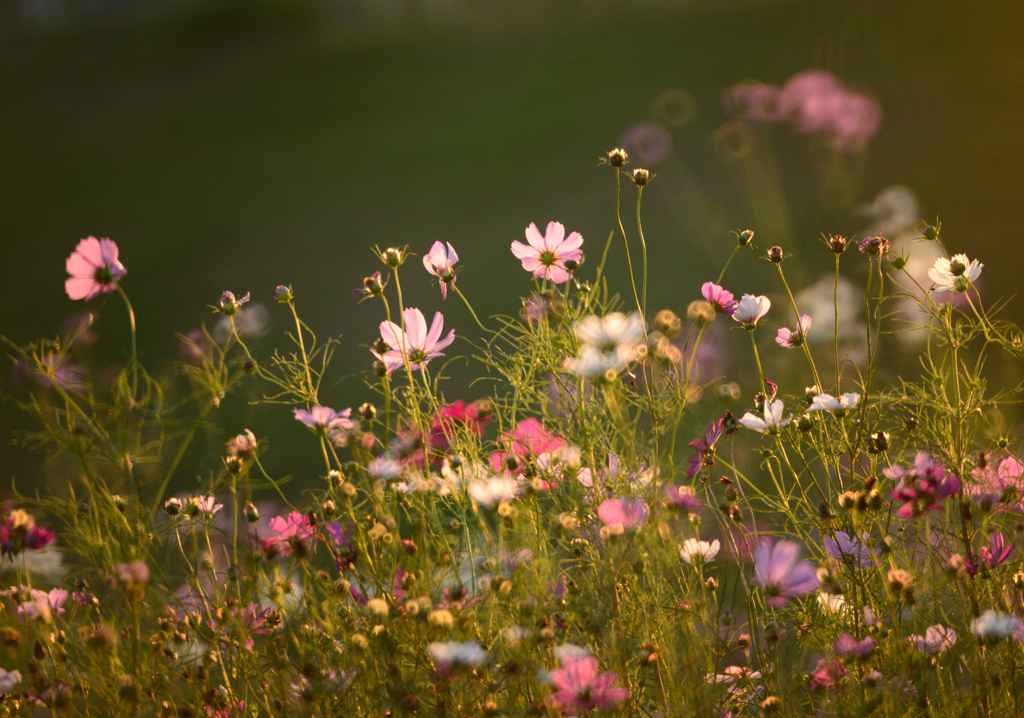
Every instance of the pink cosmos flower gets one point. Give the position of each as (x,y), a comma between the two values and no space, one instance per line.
(579,687)
(828,675)
(19,531)
(999,486)
(922,486)
(995,554)
(322,419)
(750,310)
(620,511)
(528,439)
(294,532)
(546,255)
(441,263)
(131,574)
(847,645)
(847,549)
(704,448)
(937,639)
(788,338)
(721,299)
(415,342)
(44,604)
(683,497)
(779,574)
(94,269)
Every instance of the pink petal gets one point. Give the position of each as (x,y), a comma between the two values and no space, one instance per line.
(553,236)
(522,251)
(82,287)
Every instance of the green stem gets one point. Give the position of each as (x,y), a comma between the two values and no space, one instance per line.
(470,308)
(643,247)
(135,355)
(807,349)
(625,244)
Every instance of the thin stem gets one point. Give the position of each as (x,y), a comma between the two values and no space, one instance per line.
(807,349)
(625,244)
(470,308)
(835,328)
(643,247)
(135,355)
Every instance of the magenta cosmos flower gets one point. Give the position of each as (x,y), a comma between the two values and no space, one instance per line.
(322,418)
(620,511)
(94,269)
(999,486)
(779,574)
(922,486)
(721,299)
(546,255)
(440,261)
(704,448)
(415,343)
(789,338)
(580,688)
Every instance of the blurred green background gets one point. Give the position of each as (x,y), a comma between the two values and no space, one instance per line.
(241,145)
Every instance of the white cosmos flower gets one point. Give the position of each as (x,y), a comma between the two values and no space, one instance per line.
(456,653)
(831,603)
(8,680)
(593,363)
(750,310)
(840,404)
(696,551)
(610,332)
(570,650)
(954,275)
(384,468)
(494,490)
(992,625)
(772,420)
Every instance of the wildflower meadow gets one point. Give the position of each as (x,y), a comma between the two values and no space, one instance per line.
(600,522)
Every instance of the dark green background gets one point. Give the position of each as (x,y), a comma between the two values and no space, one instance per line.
(265,143)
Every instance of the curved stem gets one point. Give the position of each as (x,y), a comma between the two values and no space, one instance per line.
(625,244)
(135,355)
(470,308)
(807,349)
(643,248)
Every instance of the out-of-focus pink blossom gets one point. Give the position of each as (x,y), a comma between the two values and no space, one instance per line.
(528,439)
(848,549)
(683,497)
(322,418)
(94,269)
(780,575)
(828,675)
(545,255)
(847,645)
(937,639)
(621,512)
(580,688)
(999,486)
(648,143)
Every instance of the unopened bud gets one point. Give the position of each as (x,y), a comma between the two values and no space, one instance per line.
(617,158)
(283,294)
(368,411)
(957,268)
(394,257)
(380,368)
(930,232)
(775,255)
(744,237)
(837,244)
(640,177)
(878,442)
(172,506)
(252,514)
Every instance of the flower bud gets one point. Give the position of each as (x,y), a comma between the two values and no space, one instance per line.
(804,422)
(380,368)
(900,580)
(910,423)
(878,442)
(252,514)
(1018,580)
(616,158)
(930,232)
(368,411)
(393,257)
(711,584)
(899,262)
(837,244)
(372,285)
(229,305)
(329,508)
(640,177)
(957,268)
(744,237)
(848,500)
(775,255)
(667,322)
(771,704)
(249,367)
(283,294)
(571,265)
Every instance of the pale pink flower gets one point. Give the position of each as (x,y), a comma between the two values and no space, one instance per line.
(772,421)
(779,574)
(546,255)
(579,687)
(789,338)
(44,604)
(415,343)
(828,675)
(937,639)
(323,418)
(750,310)
(94,269)
(721,299)
(847,645)
(440,262)
(620,511)
(848,549)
